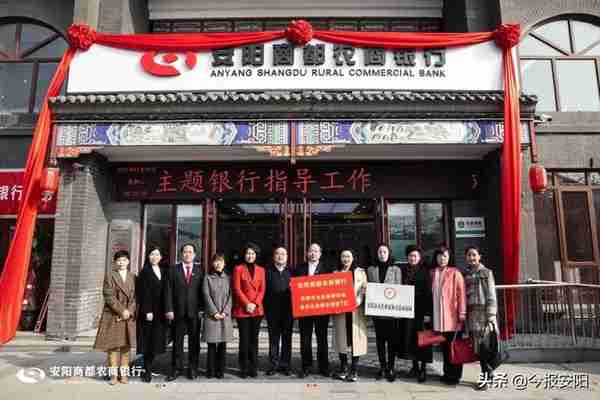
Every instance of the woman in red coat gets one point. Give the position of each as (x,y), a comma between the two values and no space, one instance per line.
(248,291)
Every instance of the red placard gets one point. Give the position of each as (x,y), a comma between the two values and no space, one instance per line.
(323,294)
(11,193)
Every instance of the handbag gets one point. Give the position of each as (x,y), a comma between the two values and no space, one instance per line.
(428,338)
(462,351)
(490,349)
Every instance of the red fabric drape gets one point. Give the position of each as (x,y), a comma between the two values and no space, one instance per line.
(299,32)
(16,266)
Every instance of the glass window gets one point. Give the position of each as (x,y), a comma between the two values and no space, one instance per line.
(537,79)
(578,85)
(547,235)
(45,74)
(189,229)
(594,178)
(595,51)
(54,49)
(578,231)
(32,35)
(7,41)
(158,228)
(36,43)
(585,34)
(531,46)
(15,86)
(556,32)
(570,178)
(403,228)
(432,227)
(556,64)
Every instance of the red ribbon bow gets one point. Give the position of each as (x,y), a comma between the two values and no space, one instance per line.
(299,32)
(507,35)
(81,37)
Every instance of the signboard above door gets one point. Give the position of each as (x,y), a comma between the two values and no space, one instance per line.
(280,65)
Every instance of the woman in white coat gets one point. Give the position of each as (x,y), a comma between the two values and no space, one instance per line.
(351,327)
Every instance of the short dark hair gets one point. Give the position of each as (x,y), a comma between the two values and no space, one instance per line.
(250,246)
(278,246)
(473,247)
(216,256)
(192,245)
(440,250)
(121,253)
(411,247)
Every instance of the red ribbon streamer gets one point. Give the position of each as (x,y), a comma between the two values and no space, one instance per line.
(81,37)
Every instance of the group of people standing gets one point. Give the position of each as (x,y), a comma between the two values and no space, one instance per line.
(186,300)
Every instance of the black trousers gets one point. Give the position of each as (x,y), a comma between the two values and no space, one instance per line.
(453,372)
(320,325)
(191,327)
(215,358)
(248,351)
(280,323)
(148,361)
(384,331)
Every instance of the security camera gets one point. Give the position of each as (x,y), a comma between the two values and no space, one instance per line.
(542,118)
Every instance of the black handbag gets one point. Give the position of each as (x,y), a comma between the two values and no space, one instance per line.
(490,349)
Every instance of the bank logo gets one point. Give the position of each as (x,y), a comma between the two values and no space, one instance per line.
(389,293)
(31,375)
(151,66)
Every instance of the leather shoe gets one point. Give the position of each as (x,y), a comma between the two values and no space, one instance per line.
(220,375)
(304,372)
(422,376)
(271,372)
(191,374)
(172,376)
(285,371)
(252,374)
(325,373)
(243,374)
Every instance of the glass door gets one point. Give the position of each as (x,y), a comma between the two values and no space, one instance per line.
(240,221)
(337,225)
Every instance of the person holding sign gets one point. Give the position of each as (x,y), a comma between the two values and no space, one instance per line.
(351,327)
(417,275)
(320,323)
(386,329)
(449,309)
(249,292)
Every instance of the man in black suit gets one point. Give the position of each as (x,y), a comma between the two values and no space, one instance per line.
(184,307)
(320,323)
(278,309)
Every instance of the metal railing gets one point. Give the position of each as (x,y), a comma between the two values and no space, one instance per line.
(542,314)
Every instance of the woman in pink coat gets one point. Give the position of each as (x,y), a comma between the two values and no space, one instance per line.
(449,308)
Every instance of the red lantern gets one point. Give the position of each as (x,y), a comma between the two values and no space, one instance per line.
(49,183)
(538,179)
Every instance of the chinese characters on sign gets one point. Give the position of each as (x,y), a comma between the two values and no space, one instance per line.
(167,182)
(313,55)
(322,294)
(11,192)
(385,300)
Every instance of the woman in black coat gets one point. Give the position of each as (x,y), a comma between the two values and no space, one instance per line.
(418,275)
(151,285)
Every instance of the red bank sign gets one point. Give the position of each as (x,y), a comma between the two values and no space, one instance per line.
(11,193)
(323,294)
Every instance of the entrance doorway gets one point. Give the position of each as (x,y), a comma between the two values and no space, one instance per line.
(226,225)
(296,224)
